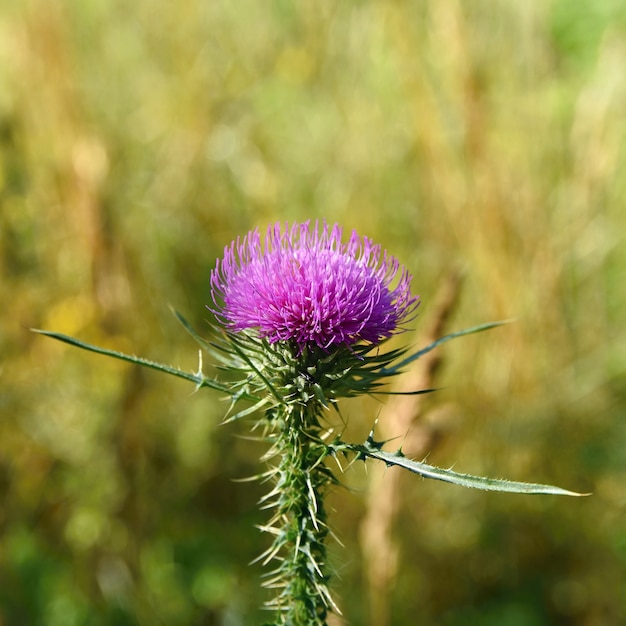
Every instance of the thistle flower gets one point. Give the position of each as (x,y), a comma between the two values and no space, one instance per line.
(306,287)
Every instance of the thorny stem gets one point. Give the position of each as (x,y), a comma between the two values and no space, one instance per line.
(299,523)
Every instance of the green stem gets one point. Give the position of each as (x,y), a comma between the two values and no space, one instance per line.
(299,524)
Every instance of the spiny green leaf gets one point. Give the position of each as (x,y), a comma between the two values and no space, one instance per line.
(461,333)
(247,411)
(199,379)
(418,392)
(370,449)
(203,343)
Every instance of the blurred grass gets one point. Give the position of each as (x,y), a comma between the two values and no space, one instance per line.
(136,140)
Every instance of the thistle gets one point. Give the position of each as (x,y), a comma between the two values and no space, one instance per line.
(303,321)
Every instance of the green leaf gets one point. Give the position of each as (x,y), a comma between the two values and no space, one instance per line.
(372,450)
(418,392)
(461,333)
(203,343)
(199,379)
(245,412)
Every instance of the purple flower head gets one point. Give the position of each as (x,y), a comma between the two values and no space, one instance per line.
(306,286)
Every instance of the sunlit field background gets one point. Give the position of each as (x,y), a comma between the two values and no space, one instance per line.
(480,140)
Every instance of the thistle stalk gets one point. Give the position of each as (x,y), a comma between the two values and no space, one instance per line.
(299,523)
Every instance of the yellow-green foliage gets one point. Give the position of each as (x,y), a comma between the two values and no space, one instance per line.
(137,139)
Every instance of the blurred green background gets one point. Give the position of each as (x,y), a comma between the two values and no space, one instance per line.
(137,139)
